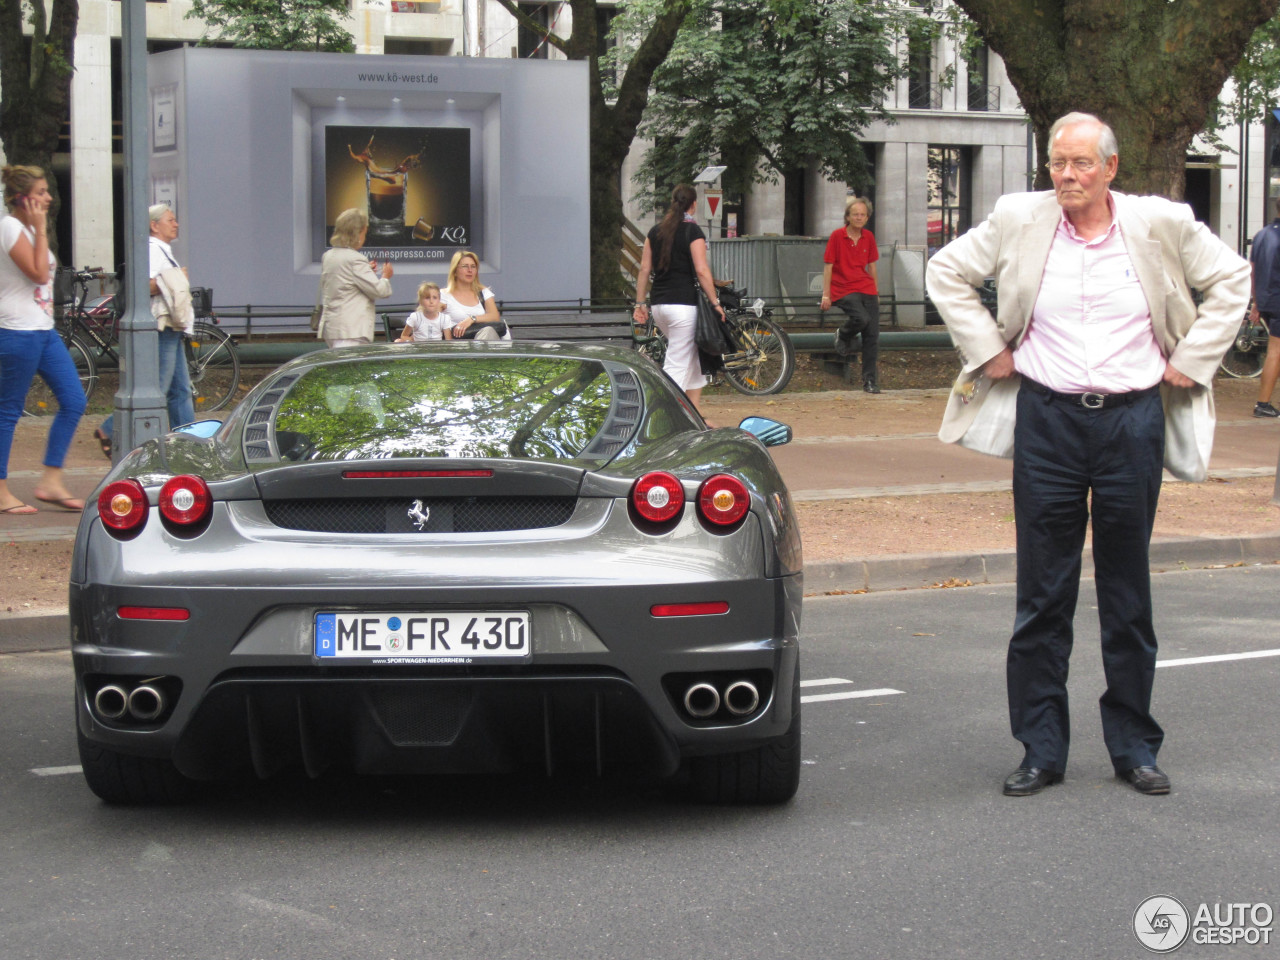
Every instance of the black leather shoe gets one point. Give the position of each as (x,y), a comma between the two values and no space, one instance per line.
(1146,779)
(1025,781)
(843,345)
(869,386)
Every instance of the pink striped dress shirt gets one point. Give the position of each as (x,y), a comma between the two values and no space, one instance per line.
(1091,328)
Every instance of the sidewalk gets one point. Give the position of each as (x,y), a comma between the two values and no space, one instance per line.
(883,505)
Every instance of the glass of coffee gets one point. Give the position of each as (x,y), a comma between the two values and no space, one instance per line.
(386,195)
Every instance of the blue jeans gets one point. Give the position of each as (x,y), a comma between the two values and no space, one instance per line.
(174,381)
(23,354)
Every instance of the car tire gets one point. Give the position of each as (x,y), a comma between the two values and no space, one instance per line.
(768,774)
(127,780)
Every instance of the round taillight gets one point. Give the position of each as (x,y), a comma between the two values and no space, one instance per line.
(185,501)
(122,506)
(723,499)
(658,497)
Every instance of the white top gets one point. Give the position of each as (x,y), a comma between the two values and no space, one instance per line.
(426,328)
(162,258)
(457,312)
(23,304)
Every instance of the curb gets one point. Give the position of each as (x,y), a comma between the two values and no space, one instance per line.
(932,570)
(49,629)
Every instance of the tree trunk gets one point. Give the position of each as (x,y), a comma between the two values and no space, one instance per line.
(1152,69)
(35,88)
(613,127)
(793,199)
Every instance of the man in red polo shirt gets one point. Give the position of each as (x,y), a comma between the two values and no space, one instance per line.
(849,281)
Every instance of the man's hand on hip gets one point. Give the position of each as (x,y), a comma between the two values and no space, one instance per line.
(1176,378)
(1000,367)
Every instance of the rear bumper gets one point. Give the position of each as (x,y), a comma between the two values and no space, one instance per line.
(603,686)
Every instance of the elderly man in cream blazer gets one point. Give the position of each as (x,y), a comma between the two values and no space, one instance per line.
(1096,370)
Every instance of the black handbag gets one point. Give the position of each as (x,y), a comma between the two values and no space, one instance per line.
(711,335)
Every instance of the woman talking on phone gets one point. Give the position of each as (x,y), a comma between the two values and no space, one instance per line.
(28,343)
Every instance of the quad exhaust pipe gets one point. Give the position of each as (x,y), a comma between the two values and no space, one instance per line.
(741,698)
(703,699)
(143,703)
(111,702)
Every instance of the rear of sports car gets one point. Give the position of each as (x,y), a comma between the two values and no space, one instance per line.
(435,560)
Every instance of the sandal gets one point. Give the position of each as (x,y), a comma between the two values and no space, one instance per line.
(103,441)
(20,510)
(74,504)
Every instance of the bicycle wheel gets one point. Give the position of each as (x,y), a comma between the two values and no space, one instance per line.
(651,343)
(767,360)
(214,367)
(1247,353)
(40,399)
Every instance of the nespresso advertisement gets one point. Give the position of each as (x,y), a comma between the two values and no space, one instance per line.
(413,182)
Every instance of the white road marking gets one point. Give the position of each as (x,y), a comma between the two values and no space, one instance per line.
(55,771)
(826,682)
(849,695)
(1188,661)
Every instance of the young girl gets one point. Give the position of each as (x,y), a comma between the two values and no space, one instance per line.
(426,323)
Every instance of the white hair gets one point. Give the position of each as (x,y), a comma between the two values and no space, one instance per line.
(1107,147)
(156,211)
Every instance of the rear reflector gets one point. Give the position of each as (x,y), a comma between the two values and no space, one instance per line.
(122,506)
(412,474)
(153,613)
(707,609)
(658,497)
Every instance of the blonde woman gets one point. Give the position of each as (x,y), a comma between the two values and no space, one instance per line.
(349,284)
(469,304)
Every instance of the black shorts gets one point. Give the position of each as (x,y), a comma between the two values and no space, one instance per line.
(1272,320)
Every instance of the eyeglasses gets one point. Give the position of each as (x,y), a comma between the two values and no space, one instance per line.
(1080,166)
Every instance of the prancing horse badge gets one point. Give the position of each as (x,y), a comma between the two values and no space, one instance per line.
(419,514)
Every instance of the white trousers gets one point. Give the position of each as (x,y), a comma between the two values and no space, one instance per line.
(678,321)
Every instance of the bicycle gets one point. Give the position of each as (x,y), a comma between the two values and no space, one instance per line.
(92,331)
(766,357)
(1245,356)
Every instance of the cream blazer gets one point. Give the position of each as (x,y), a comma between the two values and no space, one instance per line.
(1172,254)
(348,288)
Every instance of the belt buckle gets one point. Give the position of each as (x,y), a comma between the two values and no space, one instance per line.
(1094,401)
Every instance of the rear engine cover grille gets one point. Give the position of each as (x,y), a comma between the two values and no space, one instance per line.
(426,515)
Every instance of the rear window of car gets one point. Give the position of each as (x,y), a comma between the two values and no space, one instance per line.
(539,408)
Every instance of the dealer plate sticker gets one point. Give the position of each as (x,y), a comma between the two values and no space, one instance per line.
(451,637)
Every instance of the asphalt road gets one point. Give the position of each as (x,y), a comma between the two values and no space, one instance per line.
(898,845)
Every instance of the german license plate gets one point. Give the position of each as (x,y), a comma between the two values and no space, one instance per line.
(450,637)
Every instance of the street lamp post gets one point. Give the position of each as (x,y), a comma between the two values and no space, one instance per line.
(140,409)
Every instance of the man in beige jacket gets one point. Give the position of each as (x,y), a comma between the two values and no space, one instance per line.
(1095,371)
(349,284)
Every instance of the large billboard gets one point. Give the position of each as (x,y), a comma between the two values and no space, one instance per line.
(413,182)
(259,151)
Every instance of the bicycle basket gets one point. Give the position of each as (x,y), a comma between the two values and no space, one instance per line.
(730,298)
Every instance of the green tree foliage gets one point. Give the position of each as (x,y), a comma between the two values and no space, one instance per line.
(618,99)
(276,24)
(1256,78)
(1153,69)
(35,82)
(774,88)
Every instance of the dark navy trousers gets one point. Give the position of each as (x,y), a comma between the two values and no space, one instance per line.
(1070,461)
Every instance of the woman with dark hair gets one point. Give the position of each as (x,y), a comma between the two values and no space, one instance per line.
(29,344)
(675,252)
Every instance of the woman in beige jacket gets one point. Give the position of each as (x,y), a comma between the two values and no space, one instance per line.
(349,284)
